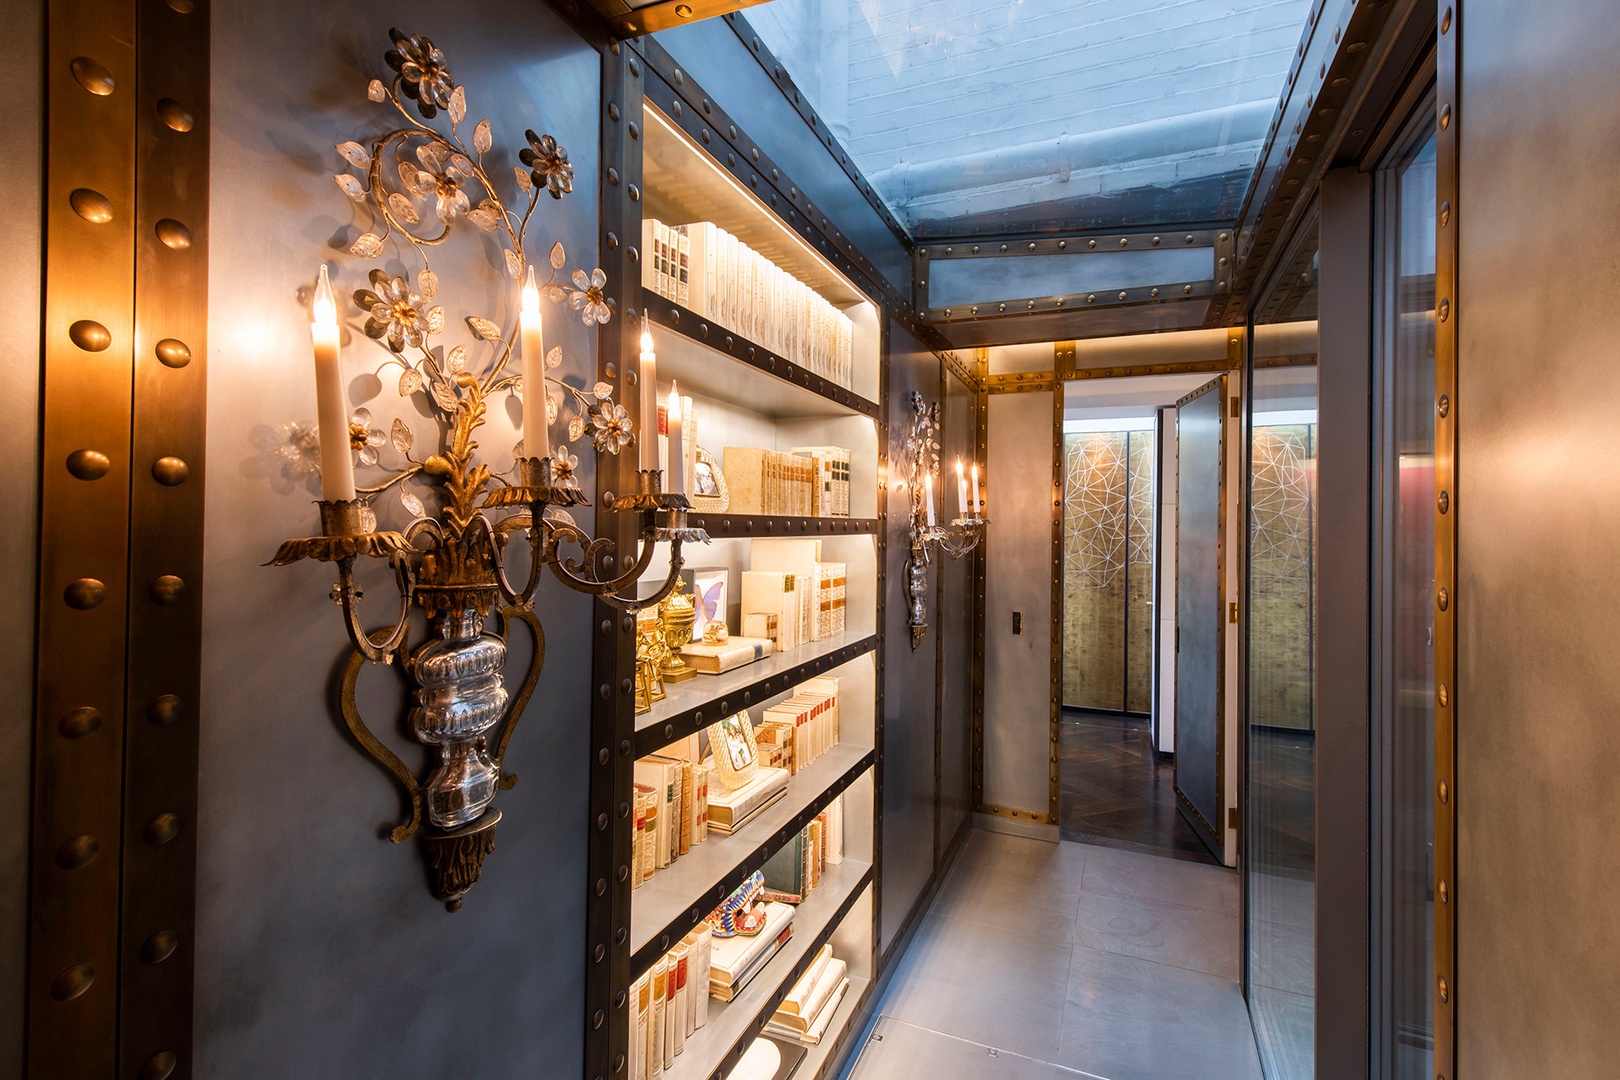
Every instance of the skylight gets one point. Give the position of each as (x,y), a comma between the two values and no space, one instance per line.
(973,118)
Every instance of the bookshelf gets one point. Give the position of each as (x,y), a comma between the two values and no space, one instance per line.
(750,391)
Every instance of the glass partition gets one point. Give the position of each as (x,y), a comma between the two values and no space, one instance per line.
(1280,733)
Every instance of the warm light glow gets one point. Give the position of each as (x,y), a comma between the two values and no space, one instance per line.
(325,305)
(959,475)
(531,295)
(646,341)
(674,402)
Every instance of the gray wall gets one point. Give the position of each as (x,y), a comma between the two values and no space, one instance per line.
(320,951)
(20,235)
(1538,504)
(954,625)
(908,677)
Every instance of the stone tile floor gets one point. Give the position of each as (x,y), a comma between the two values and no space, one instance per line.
(1041,961)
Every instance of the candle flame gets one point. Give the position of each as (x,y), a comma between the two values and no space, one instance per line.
(959,468)
(674,400)
(646,341)
(325,305)
(531,295)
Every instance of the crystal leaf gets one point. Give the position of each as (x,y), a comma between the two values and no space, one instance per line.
(576,428)
(514,265)
(517,450)
(435,320)
(484,328)
(376,91)
(428,284)
(554,293)
(557,256)
(351,187)
(408,175)
(456,362)
(444,394)
(402,208)
(369,246)
(524,181)
(481,137)
(400,436)
(554,357)
(552,409)
(409,383)
(412,504)
(602,391)
(368,518)
(458,105)
(482,218)
(355,154)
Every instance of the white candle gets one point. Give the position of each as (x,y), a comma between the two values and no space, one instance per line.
(675,475)
(928,497)
(689,442)
(978,500)
(961,490)
(536,430)
(649,403)
(337,453)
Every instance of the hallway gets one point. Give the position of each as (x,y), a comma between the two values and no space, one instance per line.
(1142,987)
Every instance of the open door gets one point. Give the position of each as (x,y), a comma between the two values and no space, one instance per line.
(1200,708)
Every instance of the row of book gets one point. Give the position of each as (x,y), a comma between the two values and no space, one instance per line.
(795,871)
(798,731)
(669,1003)
(788,579)
(706,269)
(807,481)
(810,1005)
(671,809)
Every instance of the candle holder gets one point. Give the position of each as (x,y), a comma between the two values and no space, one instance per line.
(452,562)
(919,458)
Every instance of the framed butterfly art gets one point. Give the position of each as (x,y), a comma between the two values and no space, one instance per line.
(710,595)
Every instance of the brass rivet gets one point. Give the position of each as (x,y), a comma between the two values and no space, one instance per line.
(93,206)
(635,193)
(159,1066)
(1443,406)
(77,852)
(1445,117)
(1445,21)
(1445,309)
(613,110)
(635,130)
(1444,892)
(73,982)
(1443,501)
(162,829)
(1443,695)
(174,235)
(160,946)
(1187,289)
(166,589)
(85,593)
(173,353)
(1443,599)
(88,464)
(92,76)
(1124,242)
(1445,213)
(89,335)
(1091,243)
(1445,989)
(1122,295)
(1445,792)
(175,115)
(77,723)
(170,471)
(165,709)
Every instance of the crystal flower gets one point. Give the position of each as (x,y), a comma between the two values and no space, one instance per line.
(300,453)
(395,315)
(563,465)
(443,177)
(422,70)
(548,164)
(365,438)
(588,298)
(610,423)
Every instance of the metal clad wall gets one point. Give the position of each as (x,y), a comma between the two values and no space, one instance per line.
(908,677)
(1538,510)
(954,620)
(1019,577)
(320,951)
(20,27)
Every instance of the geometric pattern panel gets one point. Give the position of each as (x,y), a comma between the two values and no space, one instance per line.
(1280,506)
(1094,508)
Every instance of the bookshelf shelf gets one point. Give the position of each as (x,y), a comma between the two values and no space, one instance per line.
(711,361)
(753,526)
(674,899)
(733,1025)
(698,702)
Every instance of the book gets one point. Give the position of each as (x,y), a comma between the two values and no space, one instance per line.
(680,959)
(785,871)
(830,469)
(799,557)
(703,944)
(769,1059)
(663,777)
(773,592)
(811,994)
(817,1030)
(731,810)
(640,1004)
(831,590)
(735,961)
(655,1028)
(762,481)
(727,655)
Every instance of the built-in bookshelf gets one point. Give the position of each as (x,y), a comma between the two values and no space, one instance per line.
(767,391)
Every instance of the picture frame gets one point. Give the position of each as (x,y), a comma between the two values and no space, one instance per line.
(711,593)
(708,493)
(735,753)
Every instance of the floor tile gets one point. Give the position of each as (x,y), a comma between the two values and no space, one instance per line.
(1131,1019)
(1000,853)
(1169,934)
(900,1051)
(1170,881)
(1040,905)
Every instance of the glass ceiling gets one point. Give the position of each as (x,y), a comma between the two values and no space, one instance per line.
(974,118)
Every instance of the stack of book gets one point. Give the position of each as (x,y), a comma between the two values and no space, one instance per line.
(787,579)
(731,810)
(808,1009)
(669,1003)
(760,481)
(734,961)
(795,871)
(800,729)
(831,495)
(702,267)
(671,808)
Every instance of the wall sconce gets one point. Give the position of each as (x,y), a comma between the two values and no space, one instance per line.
(919,460)
(452,563)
